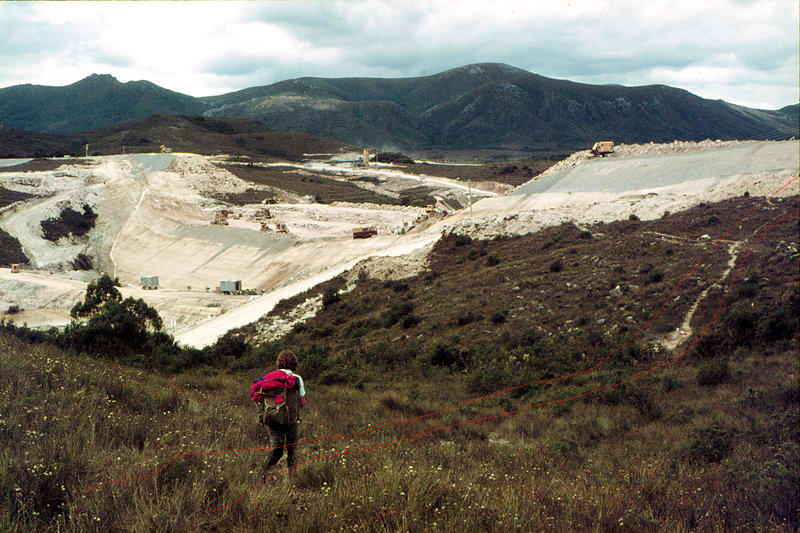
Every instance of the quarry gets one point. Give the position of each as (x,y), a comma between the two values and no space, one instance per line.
(163,215)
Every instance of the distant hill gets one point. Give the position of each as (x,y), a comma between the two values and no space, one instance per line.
(496,106)
(94,102)
(196,134)
(478,106)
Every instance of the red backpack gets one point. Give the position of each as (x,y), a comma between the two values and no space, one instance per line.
(278,397)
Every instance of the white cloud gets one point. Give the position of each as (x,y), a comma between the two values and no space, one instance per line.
(744,51)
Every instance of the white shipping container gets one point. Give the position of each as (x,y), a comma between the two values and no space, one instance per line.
(149,282)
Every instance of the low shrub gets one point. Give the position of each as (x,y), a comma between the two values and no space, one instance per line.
(330,296)
(566,447)
(444,354)
(714,372)
(466,318)
(498,317)
(395,312)
(396,285)
(409,321)
(711,443)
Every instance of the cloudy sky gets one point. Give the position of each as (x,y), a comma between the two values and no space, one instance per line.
(742,51)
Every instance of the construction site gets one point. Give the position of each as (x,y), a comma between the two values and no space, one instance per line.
(165,231)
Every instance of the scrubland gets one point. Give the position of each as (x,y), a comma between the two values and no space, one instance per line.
(407,426)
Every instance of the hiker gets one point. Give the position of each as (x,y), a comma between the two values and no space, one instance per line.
(281,393)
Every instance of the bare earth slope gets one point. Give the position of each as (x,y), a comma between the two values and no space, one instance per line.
(155,213)
(644,181)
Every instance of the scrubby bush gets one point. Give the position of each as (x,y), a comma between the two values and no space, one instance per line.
(444,354)
(711,443)
(714,372)
(498,317)
(656,276)
(466,318)
(330,296)
(395,312)
(409,321)
(740,324)
(396,285)
(556,266)
(462,240)
(566,447)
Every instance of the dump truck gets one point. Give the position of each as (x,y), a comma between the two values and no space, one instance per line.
(15,268)
(364,233)
(602,148)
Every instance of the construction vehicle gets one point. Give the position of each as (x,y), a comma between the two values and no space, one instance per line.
(262,213)
(220,218)
(15,268)
(602,148)
(165,149)
(364,233)
(280,227)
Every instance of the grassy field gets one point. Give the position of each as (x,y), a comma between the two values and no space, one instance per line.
(713,458)
(401,433)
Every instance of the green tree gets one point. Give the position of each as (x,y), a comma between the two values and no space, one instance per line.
(98,294)
(115,327)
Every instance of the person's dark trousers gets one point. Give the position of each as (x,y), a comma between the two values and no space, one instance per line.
(280,436)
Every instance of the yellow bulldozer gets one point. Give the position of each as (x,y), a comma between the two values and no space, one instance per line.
(602,148)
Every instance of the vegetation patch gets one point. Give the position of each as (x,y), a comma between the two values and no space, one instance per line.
(70,222)
(8,197)
(324,190)
(10,250)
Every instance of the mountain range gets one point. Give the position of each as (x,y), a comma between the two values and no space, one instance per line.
(486,105)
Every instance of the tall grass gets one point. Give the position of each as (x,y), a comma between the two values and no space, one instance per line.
(70,423)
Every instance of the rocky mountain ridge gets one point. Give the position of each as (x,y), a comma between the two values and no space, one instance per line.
(479,106)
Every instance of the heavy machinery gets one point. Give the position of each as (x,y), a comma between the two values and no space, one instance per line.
(602,148)
(364,233)
(220,218)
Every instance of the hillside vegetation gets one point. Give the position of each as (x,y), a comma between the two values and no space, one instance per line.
(184,133)
(480,106)
(403,367)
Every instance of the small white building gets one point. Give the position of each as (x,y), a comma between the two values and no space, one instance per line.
(229,286)
(150,282)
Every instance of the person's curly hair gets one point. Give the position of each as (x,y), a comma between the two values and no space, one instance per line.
(287,359)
